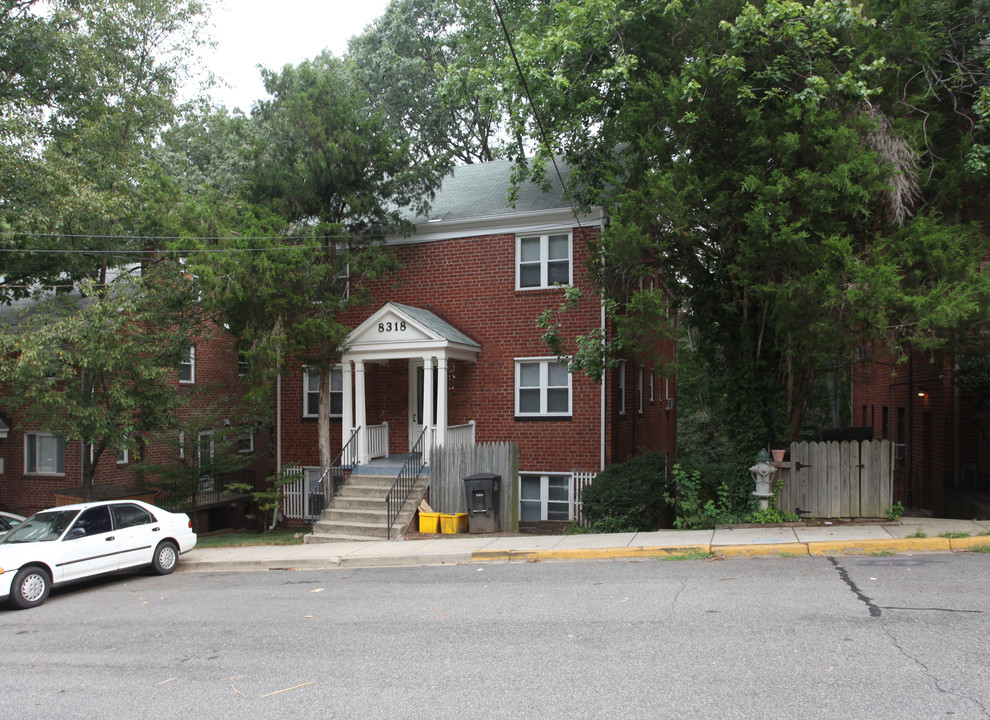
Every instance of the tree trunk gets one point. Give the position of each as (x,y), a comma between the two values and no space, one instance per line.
(323,422)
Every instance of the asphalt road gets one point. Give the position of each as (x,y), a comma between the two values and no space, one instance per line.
(855,637)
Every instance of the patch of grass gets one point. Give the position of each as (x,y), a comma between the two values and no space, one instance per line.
(919,533)
(980,548)
(985,533)
(246,538)
(954,534)
(882,553)
(575,529)
(690,555)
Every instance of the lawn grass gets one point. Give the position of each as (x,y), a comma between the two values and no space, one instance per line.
(245,538)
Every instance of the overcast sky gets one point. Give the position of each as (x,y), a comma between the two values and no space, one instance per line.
(274,33)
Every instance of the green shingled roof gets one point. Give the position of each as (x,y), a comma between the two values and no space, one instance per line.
(441,327)
(482,190)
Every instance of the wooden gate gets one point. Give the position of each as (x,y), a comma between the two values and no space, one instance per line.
(848,479)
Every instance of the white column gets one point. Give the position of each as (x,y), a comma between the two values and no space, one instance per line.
(427,418)
(347,418)
(441,400)
(360,411)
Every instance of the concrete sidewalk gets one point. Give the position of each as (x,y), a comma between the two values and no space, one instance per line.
(907,535)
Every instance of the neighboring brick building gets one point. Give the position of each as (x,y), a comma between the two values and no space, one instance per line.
(942,460)
(475,277)
(39,469)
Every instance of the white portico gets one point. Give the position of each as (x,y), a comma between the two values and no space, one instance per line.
(429,344)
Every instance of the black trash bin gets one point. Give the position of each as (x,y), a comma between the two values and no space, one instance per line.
(316,503)
(482,502)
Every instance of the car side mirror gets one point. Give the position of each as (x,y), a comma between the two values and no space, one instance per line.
(76,533)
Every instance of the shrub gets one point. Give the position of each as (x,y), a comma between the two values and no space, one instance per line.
(628,496)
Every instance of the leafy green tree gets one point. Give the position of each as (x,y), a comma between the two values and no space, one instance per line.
(61,371)
(200,452)
(419,64)
(85,89)
(328,163)
(760,159)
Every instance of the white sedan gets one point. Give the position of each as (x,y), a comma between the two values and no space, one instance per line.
(74,542)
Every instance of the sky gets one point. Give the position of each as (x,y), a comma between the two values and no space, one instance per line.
(273,34)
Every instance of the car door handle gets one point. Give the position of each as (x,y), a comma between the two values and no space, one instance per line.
(111,538)
(155,529)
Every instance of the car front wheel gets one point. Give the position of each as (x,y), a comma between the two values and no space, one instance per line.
(166,556)
(30,587)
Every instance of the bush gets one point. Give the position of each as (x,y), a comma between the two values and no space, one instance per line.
(629,496)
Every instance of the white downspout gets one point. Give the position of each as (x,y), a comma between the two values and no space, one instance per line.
(604,383)
(278,438)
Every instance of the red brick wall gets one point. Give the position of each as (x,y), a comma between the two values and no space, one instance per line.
(927,426)
(470,283)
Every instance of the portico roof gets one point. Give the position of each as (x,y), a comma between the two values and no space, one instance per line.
(402,331)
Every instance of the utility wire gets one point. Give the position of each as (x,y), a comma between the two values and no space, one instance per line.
(532,106)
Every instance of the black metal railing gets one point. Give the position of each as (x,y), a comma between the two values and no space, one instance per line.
(404,482)
(209,490)
(322,493)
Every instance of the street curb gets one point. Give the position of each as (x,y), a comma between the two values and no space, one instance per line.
(795,548)
(585,553)
(969,543)
(773,549)
(326,563)
(863,547)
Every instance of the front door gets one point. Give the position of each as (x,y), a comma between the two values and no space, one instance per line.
(417,400)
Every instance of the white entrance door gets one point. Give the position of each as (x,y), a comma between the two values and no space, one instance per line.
(417,400)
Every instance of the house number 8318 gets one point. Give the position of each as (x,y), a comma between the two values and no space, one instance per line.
(392,327)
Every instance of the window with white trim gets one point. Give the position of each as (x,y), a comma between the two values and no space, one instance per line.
(543,388)
(123,455)
(311,392)
(544,497)
(653,376)
(44,453)
(245,442)
(543,261)
(622,387)
(187,366)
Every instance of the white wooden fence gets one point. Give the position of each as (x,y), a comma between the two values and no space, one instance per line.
(838,479)
(581,480)
(294,501)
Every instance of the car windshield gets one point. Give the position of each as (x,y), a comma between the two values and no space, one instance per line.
(43,527)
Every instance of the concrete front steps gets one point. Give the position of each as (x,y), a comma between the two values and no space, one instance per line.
(358,510)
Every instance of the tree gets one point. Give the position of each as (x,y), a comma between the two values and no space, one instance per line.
(198,458)
(100,367)
(85,89)
(758,159)
(419,64)
(338,174)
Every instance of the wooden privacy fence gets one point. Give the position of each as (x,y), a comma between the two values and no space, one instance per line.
(450,464)
(838,479)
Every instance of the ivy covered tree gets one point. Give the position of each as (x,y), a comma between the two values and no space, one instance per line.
(798,174)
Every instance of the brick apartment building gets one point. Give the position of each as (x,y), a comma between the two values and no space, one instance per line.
(454,347)
(38,469)
(942,457)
